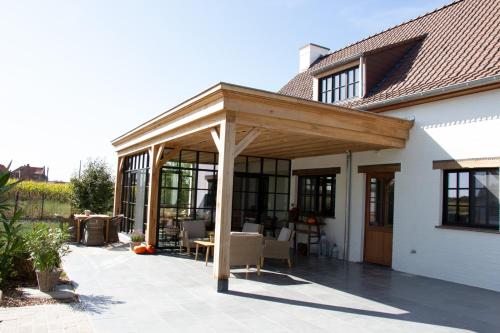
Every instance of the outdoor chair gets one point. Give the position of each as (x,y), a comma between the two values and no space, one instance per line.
(279,248)
(245,249)
(114,228)
(192,231)
(93,234)
(252,227)
(72,229)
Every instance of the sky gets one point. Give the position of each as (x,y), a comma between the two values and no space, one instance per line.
(76,74)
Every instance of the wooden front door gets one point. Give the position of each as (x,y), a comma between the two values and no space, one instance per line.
(379,213)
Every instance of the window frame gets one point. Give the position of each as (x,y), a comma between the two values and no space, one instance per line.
(324,212)
(329,85)
(471,188)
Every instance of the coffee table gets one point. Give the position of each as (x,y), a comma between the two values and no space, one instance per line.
(207,245)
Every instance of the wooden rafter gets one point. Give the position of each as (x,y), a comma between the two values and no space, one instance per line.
(216,138)
(248,139)
(159,154)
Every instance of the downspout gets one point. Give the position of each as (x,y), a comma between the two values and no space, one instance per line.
(348,185)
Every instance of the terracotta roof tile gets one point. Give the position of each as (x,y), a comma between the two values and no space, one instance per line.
(461,43)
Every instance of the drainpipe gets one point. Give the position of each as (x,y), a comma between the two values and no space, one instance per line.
(348,185)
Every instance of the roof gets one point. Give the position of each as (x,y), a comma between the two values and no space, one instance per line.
(34,170)
(452,45)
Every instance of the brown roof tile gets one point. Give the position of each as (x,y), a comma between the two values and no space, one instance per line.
(459,42)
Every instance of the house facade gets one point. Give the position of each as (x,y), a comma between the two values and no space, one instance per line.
(390,142)
(27,172)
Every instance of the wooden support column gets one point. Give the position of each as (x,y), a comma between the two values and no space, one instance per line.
(154,175)
(224,202)
(118,185)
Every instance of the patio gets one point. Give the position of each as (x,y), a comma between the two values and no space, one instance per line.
(123,292)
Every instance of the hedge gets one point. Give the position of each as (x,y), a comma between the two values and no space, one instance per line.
(29,189)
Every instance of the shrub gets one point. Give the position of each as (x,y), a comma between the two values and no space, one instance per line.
(94,189)
(10,230)
(137,238)
(29,189)
(46,246)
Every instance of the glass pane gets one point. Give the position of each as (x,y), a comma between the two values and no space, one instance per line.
(463,197)
(271,184)
(463,180)
(186,198)
(205,199)
(240,164)
(251,201)
(463,214)
(480,216)
(329,84)
(206,160)
(282,185)
(337,95)
(252,184)
(351,76)
(329,97)
(493,182)
(480,179)
(323,85)
(168,197)
(205,214)
(356,74)
(452,197)
(284,167)
(270,201)
(337,81)
(269,167)
(350,91)
(170,178)
(323,97)
(205,180)
(342,93)
(254,165)
(480,197)
(187,179)
(238,198)
(452,180)
(239,183)
(281,215)
(493,215)
(343,79)
(281,202)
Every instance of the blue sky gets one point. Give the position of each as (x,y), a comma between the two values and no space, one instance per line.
(76,74)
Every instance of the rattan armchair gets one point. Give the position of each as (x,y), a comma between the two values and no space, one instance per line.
(245,249)
(114,228)
(93,231)
(279,248)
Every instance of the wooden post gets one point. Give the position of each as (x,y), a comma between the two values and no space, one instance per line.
(154,175)
(224,202)
(118,186)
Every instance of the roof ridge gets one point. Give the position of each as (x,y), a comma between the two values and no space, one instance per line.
(454,2)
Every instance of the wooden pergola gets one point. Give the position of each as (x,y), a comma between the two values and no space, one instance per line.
(233,120)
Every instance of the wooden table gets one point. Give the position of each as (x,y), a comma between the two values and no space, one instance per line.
(207,245)
(312,232)
(79,218)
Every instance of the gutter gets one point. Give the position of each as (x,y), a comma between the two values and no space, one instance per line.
(433,92)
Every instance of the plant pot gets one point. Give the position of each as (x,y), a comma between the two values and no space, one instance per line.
(134,244)
(47,280)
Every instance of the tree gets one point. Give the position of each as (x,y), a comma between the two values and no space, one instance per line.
(94,189)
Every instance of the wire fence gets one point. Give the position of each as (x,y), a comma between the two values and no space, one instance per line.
(40,208)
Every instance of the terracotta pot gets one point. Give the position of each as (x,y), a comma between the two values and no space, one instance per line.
(133,244)
(47,280)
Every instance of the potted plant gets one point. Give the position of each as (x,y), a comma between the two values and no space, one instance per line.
(136,240)
(46,246)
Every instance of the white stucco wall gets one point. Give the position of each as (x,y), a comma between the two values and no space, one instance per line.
(462,127)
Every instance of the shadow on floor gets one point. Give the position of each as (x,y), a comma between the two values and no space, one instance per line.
(269,278)
(96,304)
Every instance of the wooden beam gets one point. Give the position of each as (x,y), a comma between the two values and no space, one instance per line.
(118,186)
(152,213)
(160,154)
(393,167)
(224,201)
(316,172)
(167,157)
(215,137)
(248,139)
(484,162)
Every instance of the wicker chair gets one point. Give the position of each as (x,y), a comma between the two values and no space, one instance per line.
(191,231)
(279,248)
(93,234)
(245,249)
(114,227)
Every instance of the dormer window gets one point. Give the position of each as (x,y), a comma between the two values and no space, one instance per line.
(339,86)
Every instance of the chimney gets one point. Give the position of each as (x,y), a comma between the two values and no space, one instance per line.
(309,54)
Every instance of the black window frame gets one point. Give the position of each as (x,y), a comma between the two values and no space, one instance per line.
(331,89)
(316,197)
(471,187)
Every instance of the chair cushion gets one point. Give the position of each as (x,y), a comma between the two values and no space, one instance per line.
(251,227)
(195,229)
(284,234)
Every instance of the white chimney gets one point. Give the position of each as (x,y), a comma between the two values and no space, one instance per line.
(309,54)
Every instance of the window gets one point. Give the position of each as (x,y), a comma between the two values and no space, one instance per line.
(471,198)
(316,196)
(339,86)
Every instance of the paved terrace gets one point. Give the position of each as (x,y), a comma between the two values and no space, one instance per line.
(123,292)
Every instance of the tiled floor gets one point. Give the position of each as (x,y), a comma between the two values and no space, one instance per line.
(123,292)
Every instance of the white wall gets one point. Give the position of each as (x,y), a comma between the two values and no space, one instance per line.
(462,127)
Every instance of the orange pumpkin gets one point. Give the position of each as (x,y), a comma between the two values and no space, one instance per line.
(150,249)
(140,249)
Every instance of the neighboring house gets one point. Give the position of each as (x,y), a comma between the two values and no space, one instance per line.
(392,141)
(27,172)
(2,168)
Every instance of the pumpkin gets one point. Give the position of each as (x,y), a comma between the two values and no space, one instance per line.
(140,249)
(150,249)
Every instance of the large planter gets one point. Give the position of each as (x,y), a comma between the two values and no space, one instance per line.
(47,280)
